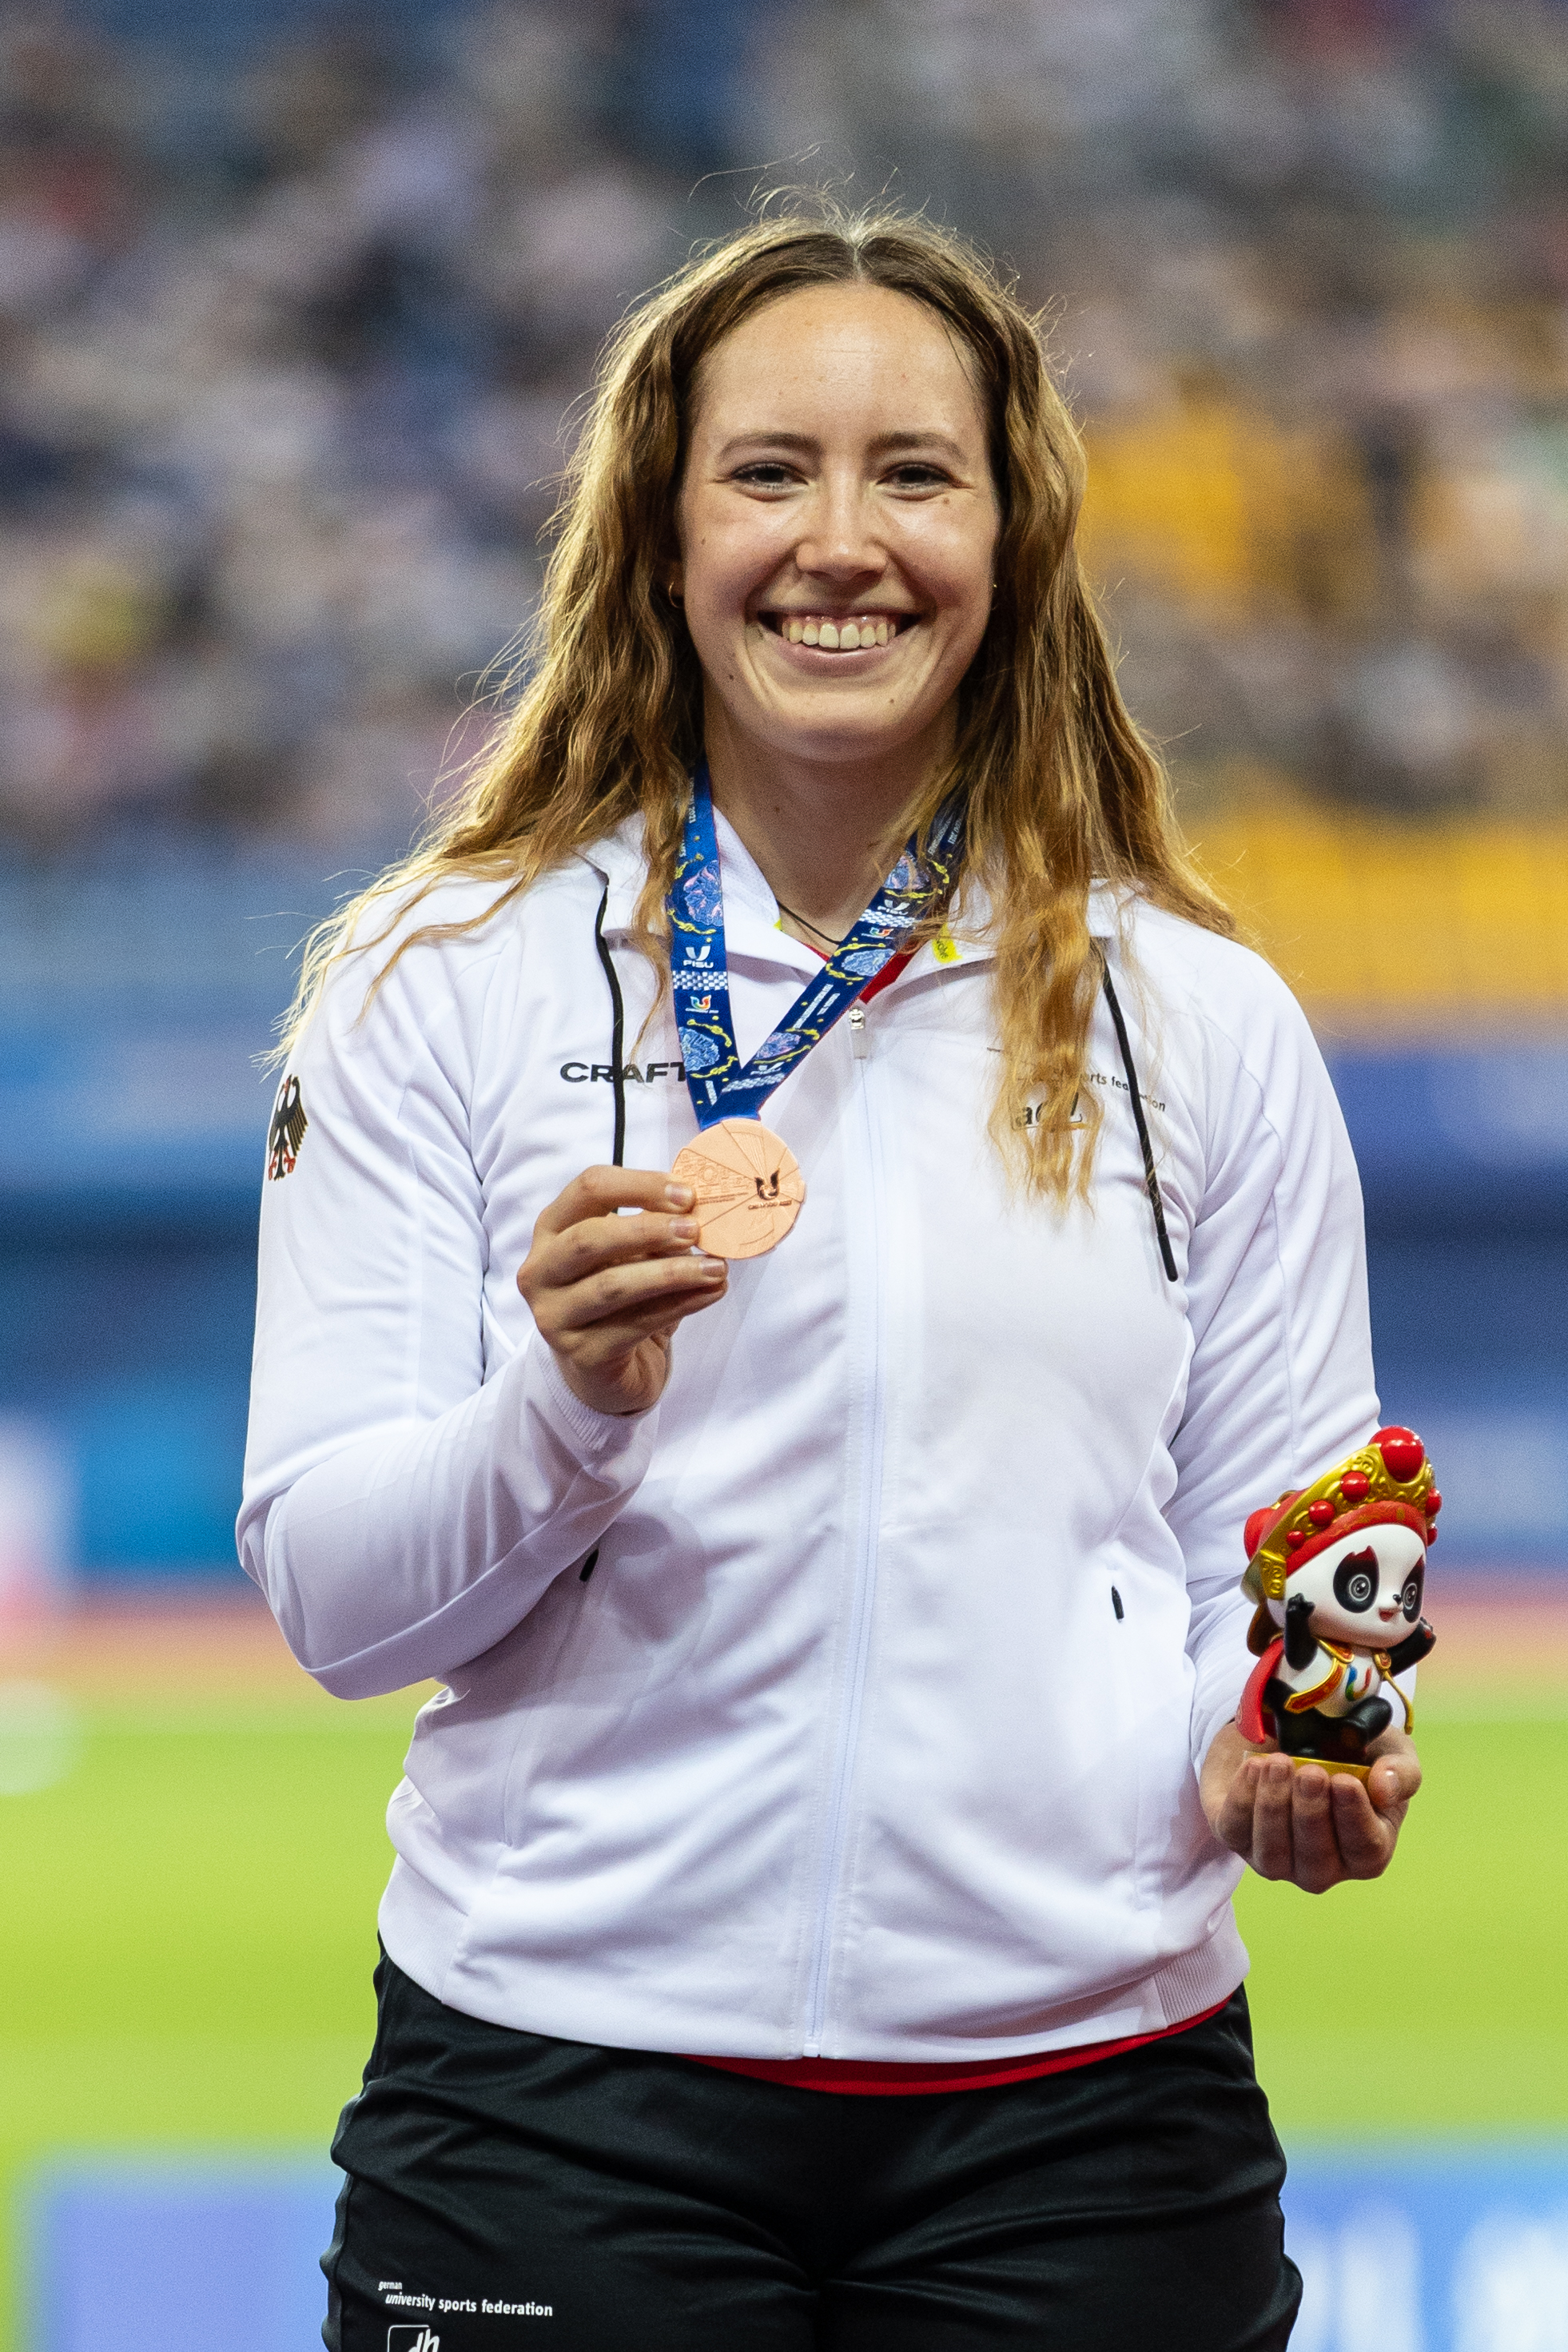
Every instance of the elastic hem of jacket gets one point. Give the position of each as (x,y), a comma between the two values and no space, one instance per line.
(871,2079)
(465,1958)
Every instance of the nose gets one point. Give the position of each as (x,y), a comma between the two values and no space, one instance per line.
(837,539)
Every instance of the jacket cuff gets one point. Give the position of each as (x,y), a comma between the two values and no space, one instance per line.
(1209,1718)
(589,1433)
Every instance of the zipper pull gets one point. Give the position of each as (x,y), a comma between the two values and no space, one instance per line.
(857,1020)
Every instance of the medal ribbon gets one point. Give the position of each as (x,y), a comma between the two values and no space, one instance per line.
(720,1085)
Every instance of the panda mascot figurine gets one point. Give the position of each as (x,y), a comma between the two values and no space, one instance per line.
(1337,1570)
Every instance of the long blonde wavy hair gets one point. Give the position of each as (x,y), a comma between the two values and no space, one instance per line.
(1061,787)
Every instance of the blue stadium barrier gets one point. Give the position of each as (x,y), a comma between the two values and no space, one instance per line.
(215,2257)
(1463,1154)
(1431,2249)
(1447,1132)
(1457,2249)
(149,1108)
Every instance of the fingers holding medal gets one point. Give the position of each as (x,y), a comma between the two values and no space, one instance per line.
(608,1290)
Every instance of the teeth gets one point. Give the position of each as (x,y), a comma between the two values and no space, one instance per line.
(837,636)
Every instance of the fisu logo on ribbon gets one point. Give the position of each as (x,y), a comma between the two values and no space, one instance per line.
(700,977)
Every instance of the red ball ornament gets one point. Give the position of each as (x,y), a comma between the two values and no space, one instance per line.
(1355,1485)
(1433,1504)
(1321,1514)
(1295,1539)
(1401,1451)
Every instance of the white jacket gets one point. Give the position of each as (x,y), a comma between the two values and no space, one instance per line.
(874,1731)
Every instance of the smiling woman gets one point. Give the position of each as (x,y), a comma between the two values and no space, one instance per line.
(810,1923)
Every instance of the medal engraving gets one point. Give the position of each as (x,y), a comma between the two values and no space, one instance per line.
(748,1186)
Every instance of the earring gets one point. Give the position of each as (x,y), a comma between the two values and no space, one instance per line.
(673,593)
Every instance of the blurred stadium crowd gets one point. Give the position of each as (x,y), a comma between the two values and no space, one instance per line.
(293,321)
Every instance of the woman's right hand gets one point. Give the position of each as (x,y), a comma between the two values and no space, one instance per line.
(607,1291)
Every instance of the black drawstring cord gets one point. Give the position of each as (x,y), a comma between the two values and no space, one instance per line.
(1151,1181)
(618,1032)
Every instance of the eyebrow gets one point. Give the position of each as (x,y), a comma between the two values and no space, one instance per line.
(883,444)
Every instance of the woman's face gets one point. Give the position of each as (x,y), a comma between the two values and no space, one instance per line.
(838,521)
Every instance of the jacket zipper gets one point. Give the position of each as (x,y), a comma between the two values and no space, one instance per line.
(864,1575)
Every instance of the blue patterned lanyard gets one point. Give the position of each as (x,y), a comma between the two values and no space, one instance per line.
(721,1087)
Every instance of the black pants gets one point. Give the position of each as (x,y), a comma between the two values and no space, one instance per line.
(619,2201)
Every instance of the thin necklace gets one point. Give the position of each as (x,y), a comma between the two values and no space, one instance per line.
(826,937)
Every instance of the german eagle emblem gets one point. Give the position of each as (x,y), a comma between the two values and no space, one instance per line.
(287,1132)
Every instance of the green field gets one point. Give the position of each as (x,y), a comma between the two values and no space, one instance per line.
(191,1919)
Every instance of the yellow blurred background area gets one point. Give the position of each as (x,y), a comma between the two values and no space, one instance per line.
(1391,930)
(1443,906)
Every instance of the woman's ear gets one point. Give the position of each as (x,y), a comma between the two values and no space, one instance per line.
(675,585)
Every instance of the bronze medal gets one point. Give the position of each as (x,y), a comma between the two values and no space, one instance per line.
(748,1186)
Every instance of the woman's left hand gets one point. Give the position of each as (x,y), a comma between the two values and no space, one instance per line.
(1305,1824)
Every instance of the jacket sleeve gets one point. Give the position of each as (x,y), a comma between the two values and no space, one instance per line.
(413,1483)
(1281,1384)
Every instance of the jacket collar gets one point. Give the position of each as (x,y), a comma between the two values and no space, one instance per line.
(617,860)
(751,910)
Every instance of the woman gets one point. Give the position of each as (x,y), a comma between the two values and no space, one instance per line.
(811,1921)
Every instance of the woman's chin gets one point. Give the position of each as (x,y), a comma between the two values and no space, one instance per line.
(839,718)
(838,736)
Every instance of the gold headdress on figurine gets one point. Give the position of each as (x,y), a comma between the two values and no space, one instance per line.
(1387,1480)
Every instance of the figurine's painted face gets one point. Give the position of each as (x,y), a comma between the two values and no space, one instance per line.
(1365,1590)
